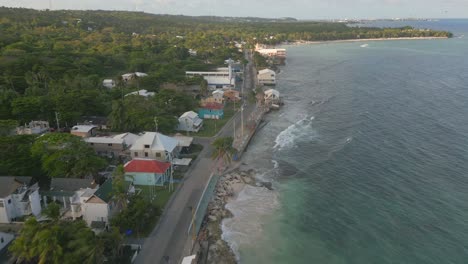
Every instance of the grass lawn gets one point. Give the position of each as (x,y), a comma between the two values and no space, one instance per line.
(161,194)
(161,197)
(212,126)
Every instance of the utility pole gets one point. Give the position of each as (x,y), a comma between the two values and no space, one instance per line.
(57,119)
(156,124)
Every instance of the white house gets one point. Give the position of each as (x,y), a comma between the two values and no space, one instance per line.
(107,146)
(34,127)
(190,121)
(154,145)
(218,96)
(272,96)
(70,194)
(266,77)
(222,78)
(18,198)
(142,92)
(100,207)
(108,83)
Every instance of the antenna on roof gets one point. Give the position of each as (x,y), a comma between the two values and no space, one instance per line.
(50,4)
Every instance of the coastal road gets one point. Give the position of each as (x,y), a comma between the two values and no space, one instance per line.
(168,242)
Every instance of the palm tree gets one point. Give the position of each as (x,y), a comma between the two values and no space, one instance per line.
(22,247)
(224,150)
(119,187)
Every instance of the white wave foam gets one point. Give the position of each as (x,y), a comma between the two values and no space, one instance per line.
(275,164)
(245,228)
(288,137)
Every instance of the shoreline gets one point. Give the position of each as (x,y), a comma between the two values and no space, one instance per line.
(229,186)
(358,40)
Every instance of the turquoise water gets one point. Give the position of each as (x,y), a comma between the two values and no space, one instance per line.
(369,157)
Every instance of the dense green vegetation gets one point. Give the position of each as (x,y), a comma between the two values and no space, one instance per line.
(55,61)
(59,241)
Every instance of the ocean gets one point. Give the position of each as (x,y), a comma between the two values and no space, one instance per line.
(369,156)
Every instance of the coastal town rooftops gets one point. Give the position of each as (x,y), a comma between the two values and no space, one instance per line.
(104,140)
(71,185)
(83,128)
(271,92)
(218,91)
(213,106)
(146,165)
(142,92)
(128,138)
(190,114)
(266,71)
(9,184)
(155,141)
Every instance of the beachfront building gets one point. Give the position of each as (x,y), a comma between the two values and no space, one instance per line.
(266,77)
(33,128)
(271,53)
(18,198)
(271,96)
(222,78)
(147,172)
(153,145)
(190,121)
(211,111)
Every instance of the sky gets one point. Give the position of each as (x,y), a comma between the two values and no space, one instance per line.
(301,9)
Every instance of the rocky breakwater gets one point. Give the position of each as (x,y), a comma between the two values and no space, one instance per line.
(213,248)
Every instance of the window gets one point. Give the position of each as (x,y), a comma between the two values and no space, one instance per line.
(1,204)
(136,154)
(110,144)
(158,154)
(146,154)
(147,146)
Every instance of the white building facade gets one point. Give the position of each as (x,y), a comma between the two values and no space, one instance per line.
(266,77)
(18,198)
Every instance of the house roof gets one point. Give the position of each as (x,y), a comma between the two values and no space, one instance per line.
(218,92)
(213,106)
(82,128)
(104,140)
(142,92)
(190,114)
(265,71)
(71,184)
(128,138)
(9,184)
(270,92)
(141,74)
(104,193)
(156,141)
(146,165)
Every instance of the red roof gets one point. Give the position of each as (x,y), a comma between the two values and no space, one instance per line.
(146,165)
(213,106)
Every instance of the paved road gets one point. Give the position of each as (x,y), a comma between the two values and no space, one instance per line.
(168,241)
